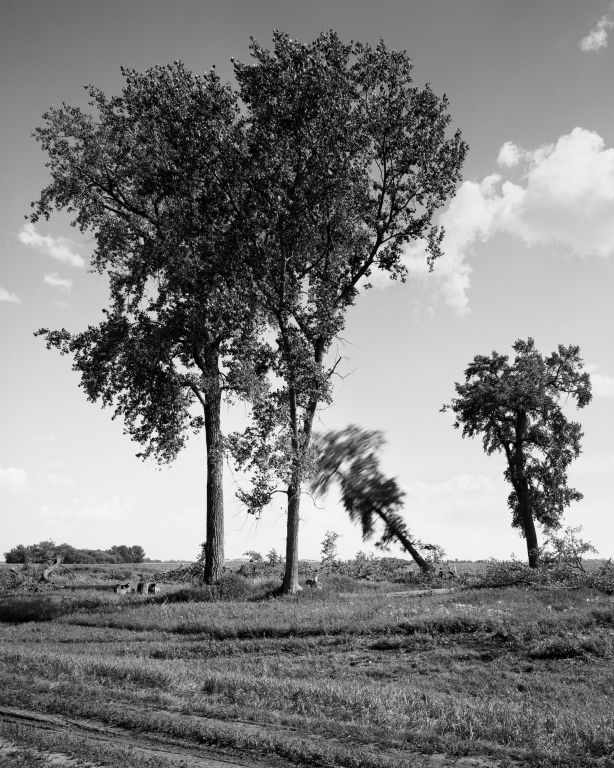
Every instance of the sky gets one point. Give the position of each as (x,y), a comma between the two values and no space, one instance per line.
(529,251)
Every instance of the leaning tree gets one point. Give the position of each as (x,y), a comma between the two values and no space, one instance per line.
(156,173)
(517,407)
(349,458)
(350,161)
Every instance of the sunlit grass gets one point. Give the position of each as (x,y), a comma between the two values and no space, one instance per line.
(508,672)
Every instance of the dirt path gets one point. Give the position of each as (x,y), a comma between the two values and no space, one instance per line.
(173,752)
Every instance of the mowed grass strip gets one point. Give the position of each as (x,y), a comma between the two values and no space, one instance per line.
(505,672)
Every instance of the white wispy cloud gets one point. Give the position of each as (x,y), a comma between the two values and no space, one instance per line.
(565,197)
(597,38)
(12,298)
(44,437)
(60,481)
(92,509)
(594,464)
(13,480)
(59,248)
(53,279)
(601,385)
(460,484)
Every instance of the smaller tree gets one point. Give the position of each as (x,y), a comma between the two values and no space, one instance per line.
(330,555)
(567,549)
(517,408)
(349,457)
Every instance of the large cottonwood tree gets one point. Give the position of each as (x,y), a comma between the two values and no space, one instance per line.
(517,407)
(350,161)
(156,173)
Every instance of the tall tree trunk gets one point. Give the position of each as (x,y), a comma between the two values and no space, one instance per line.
(528,524)
(214,547)
(521,487)
(290,583)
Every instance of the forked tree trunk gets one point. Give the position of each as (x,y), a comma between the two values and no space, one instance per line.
(214,546)
(290,584)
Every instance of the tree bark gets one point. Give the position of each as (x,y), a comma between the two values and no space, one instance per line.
(214,545)
(290,583)
(409,547)
(528,524)
(522,491)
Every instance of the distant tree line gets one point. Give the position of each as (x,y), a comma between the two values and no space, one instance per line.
(48,550)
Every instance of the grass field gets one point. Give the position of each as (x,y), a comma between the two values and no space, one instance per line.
(350,675)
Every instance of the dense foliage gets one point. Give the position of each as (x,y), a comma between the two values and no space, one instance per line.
(48,550)
(237,226)
(517,407)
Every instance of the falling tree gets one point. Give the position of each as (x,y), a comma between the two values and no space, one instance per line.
(349,458)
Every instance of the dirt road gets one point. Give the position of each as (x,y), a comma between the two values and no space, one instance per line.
(136,749)
(171,751)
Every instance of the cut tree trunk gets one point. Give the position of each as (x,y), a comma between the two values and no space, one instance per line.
(214,544)
(46,574)
(290,583)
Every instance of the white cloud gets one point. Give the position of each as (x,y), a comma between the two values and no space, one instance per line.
(59,248)
(8,296)
(510,154)
(597,38)
(565,198)
(44,437)
(594,464)
(13,480)
(602,386)
(460,484)
(91,509)
(56,281)
(58,480)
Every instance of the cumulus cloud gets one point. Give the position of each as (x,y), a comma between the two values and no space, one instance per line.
(59,248)
(13,480)
(597,38)
(510,154)
(12,298)
(53,279)
(565,197)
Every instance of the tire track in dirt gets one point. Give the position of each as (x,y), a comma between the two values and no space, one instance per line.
(173,750)
(187,754)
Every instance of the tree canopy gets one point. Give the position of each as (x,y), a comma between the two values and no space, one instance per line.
(352,161)
(517,408)
(236,227)
(156,174)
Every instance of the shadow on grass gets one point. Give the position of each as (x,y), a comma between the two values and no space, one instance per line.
(19,609)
